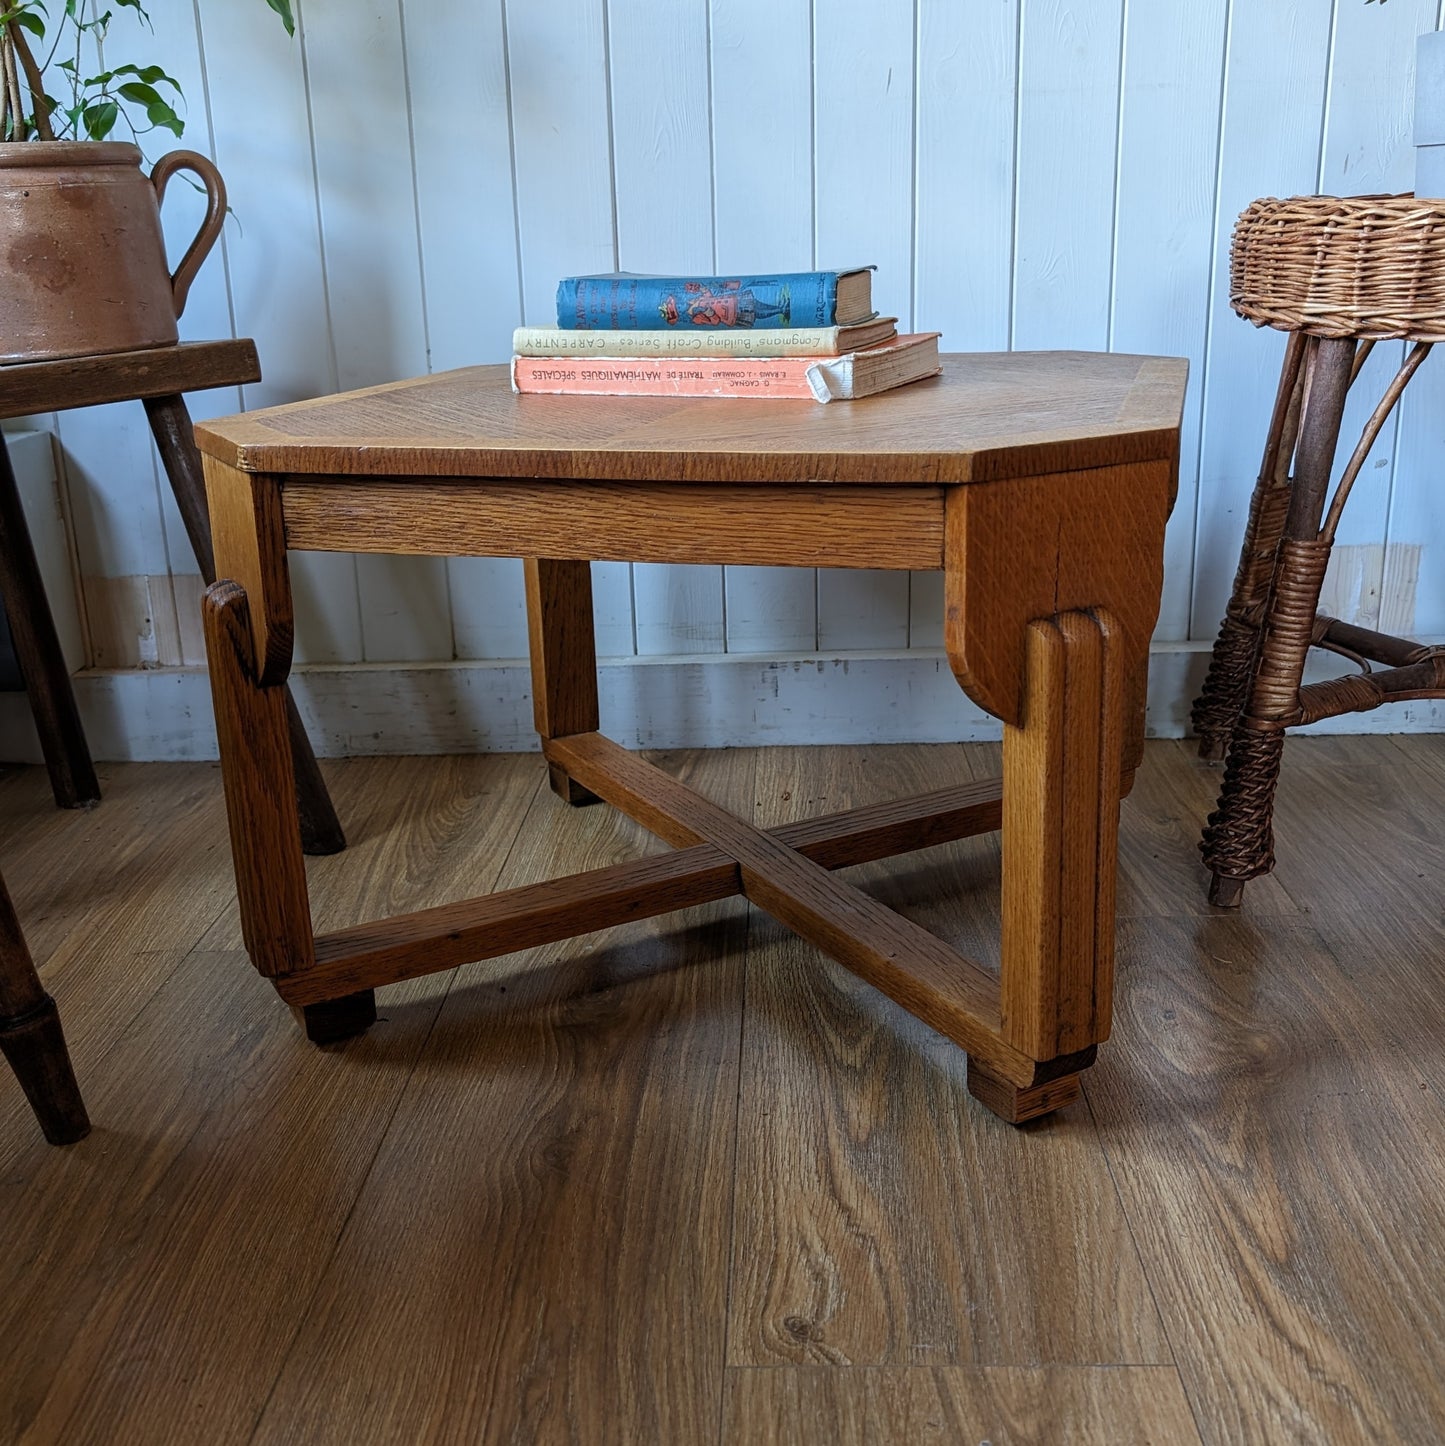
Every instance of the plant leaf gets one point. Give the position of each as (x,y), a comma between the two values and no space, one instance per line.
(283,9)
(160,114)
(100,119)
(28,20)
(142,94)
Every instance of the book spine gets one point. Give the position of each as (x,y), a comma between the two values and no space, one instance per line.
(785,377)
(650,303)
(694,342)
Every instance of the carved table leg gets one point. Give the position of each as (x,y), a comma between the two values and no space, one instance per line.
(37,650)
(1238,842)
(321,831)
(564,659)
(1062,768)
(248,645)
(32,1040)
(1052,588)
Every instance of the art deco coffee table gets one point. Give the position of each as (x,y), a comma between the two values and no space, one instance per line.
(1039,483)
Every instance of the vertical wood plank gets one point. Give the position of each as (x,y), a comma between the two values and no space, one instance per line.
(1068,138)
(174,41)
(359,95)
(1274,86)
(662,157)
(1367,149)
(469,254)
(763,221)
(562,137)
(261,132)
(863,207)
(1163,250)
(963,256)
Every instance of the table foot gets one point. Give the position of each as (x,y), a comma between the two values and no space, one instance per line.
(1017,1104)
(334,1020)
(34,1044)
(567,788)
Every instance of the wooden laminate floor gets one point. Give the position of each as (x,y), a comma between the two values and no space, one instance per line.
(688,1183)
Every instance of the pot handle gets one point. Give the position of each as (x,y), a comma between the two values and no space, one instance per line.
(200,248)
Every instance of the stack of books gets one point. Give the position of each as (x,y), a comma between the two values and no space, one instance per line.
(812,335)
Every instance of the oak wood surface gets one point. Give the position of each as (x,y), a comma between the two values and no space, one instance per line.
(944,988)
(579,1289)
(248,534)
(563,649)
(385,950)
(1265,1135)
(1259,1139)
(1001,1405)
(854,1117)
(1092,539)
(988,415)
(899,527)
(89,381)
(1060,837)
(253,737)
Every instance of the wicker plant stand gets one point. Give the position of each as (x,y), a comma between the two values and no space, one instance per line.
(1338,274)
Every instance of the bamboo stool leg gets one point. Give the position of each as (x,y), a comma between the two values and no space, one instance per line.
(1238,842)
(1231,664)
(32,1040)
(564,659)
(321,831)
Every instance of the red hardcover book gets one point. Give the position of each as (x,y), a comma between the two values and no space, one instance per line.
(804,378)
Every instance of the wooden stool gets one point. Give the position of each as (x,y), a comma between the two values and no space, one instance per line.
(158,378)
(1338,275)
(32,1040)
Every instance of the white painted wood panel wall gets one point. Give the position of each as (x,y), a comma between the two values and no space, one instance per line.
(411,177)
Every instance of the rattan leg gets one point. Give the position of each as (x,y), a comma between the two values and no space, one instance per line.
(1238,840)
(1231,665)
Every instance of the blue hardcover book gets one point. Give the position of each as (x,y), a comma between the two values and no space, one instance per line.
(624,302)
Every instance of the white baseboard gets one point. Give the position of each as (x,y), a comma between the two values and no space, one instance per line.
(716,701)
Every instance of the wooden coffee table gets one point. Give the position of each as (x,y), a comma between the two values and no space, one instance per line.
(1039,483)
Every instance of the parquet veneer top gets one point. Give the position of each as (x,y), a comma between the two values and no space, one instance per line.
(989,415)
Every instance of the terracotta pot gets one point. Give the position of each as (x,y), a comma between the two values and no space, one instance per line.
(82,259)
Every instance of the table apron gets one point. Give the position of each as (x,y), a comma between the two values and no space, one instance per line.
(895,527)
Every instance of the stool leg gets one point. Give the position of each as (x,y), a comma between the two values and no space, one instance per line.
(564,659)
(32,1040)
(1231,664)
(321,831)
(1238,842)
(37,650)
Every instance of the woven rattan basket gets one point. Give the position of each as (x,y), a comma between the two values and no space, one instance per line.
(1354,266)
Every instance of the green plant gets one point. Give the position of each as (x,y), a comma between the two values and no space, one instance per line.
(140,97)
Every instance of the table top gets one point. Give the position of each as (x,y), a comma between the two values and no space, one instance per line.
(989,415)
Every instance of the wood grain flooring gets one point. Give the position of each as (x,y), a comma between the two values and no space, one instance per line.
(686,1182)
